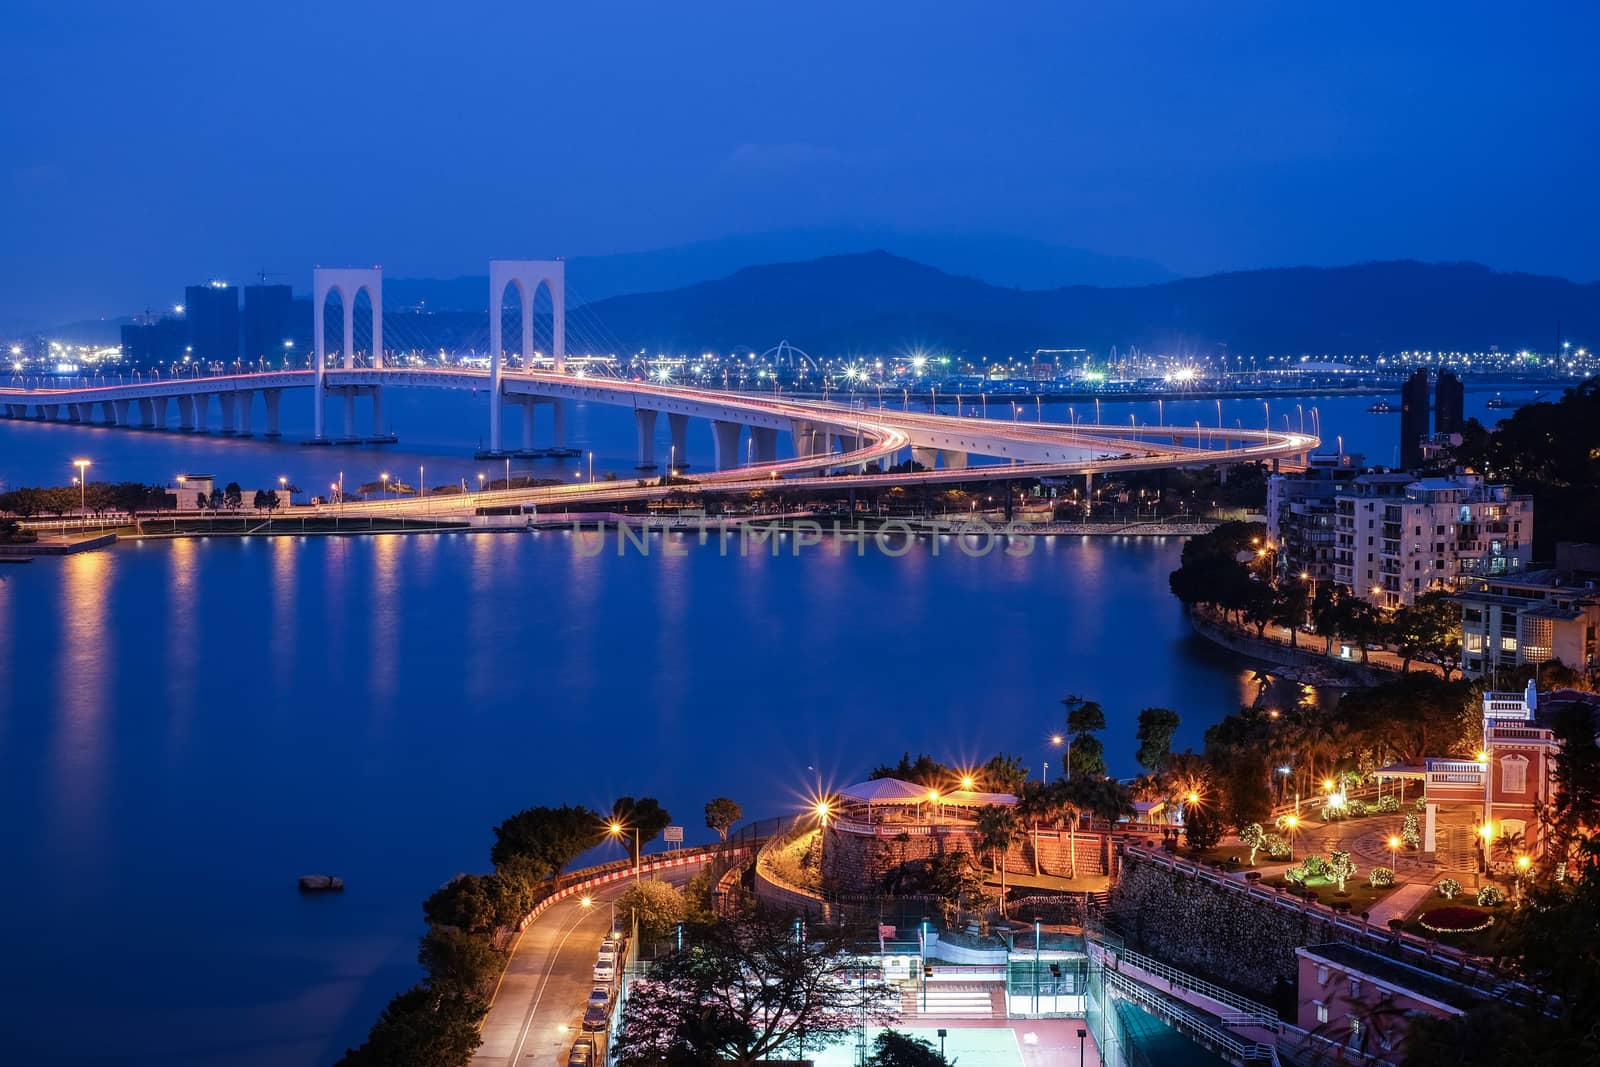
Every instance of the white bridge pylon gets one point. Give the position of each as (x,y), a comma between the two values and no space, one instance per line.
(527,275)
(348,283)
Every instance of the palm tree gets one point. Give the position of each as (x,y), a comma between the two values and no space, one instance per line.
(998,828)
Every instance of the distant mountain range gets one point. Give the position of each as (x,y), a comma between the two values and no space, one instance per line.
(878,302)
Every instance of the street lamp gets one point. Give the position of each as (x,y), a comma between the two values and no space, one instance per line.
(384,478)
(83,482)
(1066,764)
(1291,823)
(1394,852)
(480,481)
(615,829)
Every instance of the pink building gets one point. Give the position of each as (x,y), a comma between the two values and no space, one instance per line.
(1369,1003)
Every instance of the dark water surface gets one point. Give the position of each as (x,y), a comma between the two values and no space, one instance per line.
(186,727)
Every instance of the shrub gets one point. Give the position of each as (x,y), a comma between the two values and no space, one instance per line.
(1253,837)
(1490,896)
(1421,804)
(1294,876)
(1314,866)
(1389,805)
(1381,877)
(1448,888)
(1278,846)
(1409,833)
(1358,808)
(1341,867)
(1332,812)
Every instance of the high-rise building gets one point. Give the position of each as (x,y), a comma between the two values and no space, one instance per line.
(150,344)
(268,312)
(1413,419)
(1302,512)
(213,314)
(1449,404)
(1400,536)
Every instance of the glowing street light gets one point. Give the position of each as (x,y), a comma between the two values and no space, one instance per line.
(616,830)
(1394,851)
(83,466)
(967,782)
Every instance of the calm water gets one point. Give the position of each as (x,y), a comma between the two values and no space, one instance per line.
(187,727)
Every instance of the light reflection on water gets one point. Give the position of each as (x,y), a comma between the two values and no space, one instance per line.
(191,725)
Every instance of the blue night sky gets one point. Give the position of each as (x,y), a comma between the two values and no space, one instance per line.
(145,145)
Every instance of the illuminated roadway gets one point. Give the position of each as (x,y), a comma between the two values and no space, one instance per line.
(834,442)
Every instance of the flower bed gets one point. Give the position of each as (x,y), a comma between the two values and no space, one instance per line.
(1456,920)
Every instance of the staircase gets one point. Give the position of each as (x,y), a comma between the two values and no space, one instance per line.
(954,1000)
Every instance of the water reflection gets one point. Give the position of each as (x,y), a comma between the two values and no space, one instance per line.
(82,675)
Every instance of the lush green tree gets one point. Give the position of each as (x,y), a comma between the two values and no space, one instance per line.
(956,881)
(891,1048)
(999,827)
(924,770)
(547,838)
(1002,774)
(1084,719)
(459,961)
(658,906)
(721,814)
(1157,727)
(466,903)
(421,1027)
(641,822)
(1341,868)
(259,501)
(1289,608)
(1253,837)
(1104,798)
(1429,630)
(756,986)
(233,496)
(1202,826)
(1415,715)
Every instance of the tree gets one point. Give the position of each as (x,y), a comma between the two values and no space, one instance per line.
(1157,727)
(259,501)
(233,496)
(1202,827)
(421,1027)
(999,826)
(1003,774)
(721,814)
(1259,605)
(1575,801)
(1429,630)
(1341,868)
(217,500)
(956,881)
(925,770)
(1253,837)
(891,1048)
(658,906)
(465,903)
(1084,718)
(547,839)
(753,987)
(201,501)
(1290,607)
(459,961)
(641,822)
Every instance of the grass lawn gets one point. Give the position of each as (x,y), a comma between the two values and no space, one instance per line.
(1359,894)
(1223,853)
(1488,942)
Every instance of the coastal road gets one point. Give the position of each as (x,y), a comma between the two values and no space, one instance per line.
(548,979)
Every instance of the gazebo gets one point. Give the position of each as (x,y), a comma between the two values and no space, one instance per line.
(884,801)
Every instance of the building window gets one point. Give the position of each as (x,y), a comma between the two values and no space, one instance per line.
(1322,1012)
(1472,642)
(1508,644)
(1322,974)
(1514,774)
(1355,989)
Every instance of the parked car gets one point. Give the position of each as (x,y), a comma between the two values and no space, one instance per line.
(605,973)
(599,995)
(607,958)
(582,1054)
(596,1018)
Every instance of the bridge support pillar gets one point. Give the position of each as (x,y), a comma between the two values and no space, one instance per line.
(558,423)
(202,412)
(158,408)
(377,411)
(186,413)
(644,420)
(75,412)
(926,458)
(955,461)
(246,409)
(119,410)
(527,425)
(679,427)
(725,443)
(147,417)
(271,396)
(765,442)
(349,414)
(229,403)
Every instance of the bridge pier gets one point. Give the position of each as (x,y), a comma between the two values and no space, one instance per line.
(146,413)
(644,420)
(764,442)
(349,415)
(229,405)
(926,458)
(247,403)
(955,461)
(678,426)
(725,443)
(377,411)
(272,396)
(527,424)
(202,412)
(119,409)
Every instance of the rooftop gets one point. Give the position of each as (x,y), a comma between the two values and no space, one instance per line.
(1402,976)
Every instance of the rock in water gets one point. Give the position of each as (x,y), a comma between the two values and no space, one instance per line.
(320,883)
